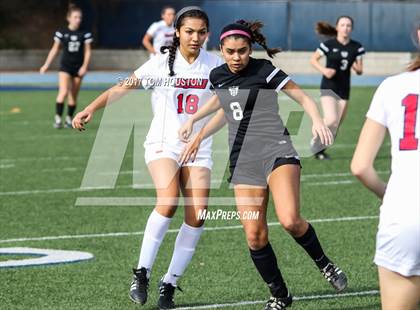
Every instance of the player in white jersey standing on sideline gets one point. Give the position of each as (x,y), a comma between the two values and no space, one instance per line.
(395,107)
(187,67)
(160,33)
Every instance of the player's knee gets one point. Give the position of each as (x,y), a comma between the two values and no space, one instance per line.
(165,208)
(194,221)
(62,94)
(332,122)
(293,225)
(256,239)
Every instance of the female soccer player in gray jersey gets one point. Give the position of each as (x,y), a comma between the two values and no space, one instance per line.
(262,157)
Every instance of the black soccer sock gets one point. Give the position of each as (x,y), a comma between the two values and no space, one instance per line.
(59,106)
(309,241)
(266,263)
(70,110)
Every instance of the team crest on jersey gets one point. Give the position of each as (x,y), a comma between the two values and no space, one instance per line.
(344,54)
(233,90)
(73,38)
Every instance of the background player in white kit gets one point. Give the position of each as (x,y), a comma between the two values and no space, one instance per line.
(395,107)
(160,33)
(188,67)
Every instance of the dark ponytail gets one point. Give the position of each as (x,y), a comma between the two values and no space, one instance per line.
(194,12)
(258,37)
(326,29)
(172,53)
(249,31)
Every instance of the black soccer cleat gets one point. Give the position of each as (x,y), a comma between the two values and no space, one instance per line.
(139,286)
(278,303)
(166,295)
(335,276)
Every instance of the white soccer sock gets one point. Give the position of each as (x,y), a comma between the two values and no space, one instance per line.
(185,244)
(155,231)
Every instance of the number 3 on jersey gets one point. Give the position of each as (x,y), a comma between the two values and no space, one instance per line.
(409,142)
(191,104)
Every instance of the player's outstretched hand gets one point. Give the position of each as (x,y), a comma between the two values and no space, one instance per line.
(320,130)
(191,149)
(81,119)
(185,131)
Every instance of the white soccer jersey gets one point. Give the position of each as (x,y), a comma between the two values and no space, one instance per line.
(161,33)
(176,98)
(396,106)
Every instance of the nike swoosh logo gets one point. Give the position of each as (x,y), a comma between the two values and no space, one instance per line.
(220,85)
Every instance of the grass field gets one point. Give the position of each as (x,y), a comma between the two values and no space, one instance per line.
(41,169)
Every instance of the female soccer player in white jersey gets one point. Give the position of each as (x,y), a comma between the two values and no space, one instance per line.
(160,33)
(73,65)
(186,66)
(262,157)
(395,108)
(342,54)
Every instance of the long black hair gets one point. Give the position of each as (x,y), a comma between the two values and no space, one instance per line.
(253,29)
(194,12)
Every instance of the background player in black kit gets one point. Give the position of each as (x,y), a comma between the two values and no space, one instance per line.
(343,54)
(73,65)
(261,153)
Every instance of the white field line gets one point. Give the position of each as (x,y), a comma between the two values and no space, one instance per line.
(217,228)
(307,297)
(215,181)
(6,166)
(129,172)
(61,158)
(135,186)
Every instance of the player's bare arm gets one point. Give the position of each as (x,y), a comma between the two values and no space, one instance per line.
(358,66)
(107,97)
(147,43)
(370,141)
(51,55)
(327,72)
(213,126)
(319,129)
(86,59)
(212,105)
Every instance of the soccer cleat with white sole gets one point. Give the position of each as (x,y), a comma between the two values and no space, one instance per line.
(335,276)
(278,303)
(139,286)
